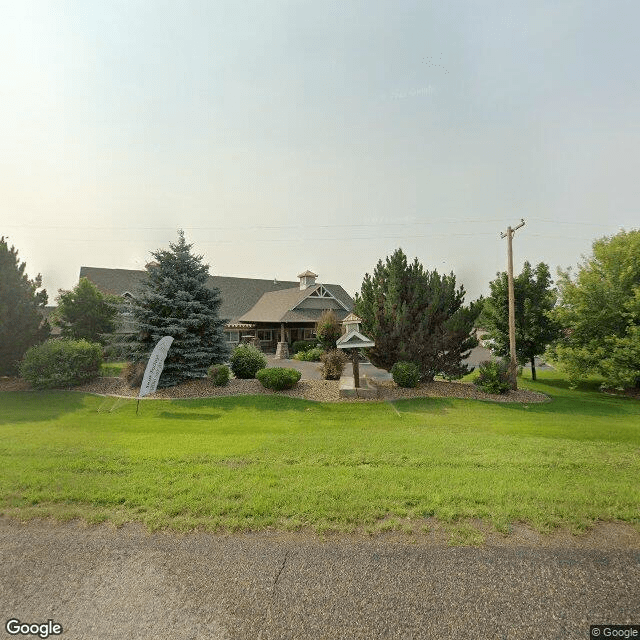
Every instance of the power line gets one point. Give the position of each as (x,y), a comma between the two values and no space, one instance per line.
(253,227)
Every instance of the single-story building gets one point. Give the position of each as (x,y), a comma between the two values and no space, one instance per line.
(252,308)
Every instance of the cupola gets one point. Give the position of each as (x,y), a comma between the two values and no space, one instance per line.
(307,279)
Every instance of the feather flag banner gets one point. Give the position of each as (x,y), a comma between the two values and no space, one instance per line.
(155,367)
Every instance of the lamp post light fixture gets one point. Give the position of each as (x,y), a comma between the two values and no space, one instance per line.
(354,340)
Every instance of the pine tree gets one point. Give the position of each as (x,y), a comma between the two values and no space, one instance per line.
(417,316)
(175,301)
(534,299)
(84,312)
(21,310)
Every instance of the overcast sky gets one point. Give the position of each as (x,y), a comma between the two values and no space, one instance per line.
(283,136)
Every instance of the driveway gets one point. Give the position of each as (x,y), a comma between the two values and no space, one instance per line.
(311,370)
(101,583)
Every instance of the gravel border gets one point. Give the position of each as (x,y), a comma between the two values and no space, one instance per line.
(317,390)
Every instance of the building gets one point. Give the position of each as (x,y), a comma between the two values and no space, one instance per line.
(252,308)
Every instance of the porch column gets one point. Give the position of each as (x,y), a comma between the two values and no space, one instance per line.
(282,350)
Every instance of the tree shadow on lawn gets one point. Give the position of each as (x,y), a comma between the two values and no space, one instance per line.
(560,405)
(587,405)
(185,415)
(257,402)
(591,386)
(422,405)
(38,406)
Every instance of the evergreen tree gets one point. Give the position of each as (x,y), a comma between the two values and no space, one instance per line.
(534,299)
(417,316)
(175,301)
(21,310)
(84,312)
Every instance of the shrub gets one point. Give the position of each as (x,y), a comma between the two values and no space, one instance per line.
(133,373)
(246,361)
(278,378)
(328,329)
(405,374)
(303,345)
(61,363)
(493,376)
(219,374)
(311,355)
(333,364)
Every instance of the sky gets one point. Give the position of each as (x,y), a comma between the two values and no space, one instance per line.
(285,136)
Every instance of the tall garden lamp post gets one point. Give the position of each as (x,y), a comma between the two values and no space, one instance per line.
(354,340)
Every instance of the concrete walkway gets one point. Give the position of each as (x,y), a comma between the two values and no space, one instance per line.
(311,370)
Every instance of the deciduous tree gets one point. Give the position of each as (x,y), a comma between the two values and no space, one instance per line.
(328,329)
(86,313)
(534,299)
(599,310)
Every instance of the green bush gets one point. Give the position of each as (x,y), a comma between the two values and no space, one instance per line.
(278,378)
(246,361)
(133,373)
(61,363)
(328,329)
(405,374)
(311,355)
(493,376)
(303,345)
(219,374)
(333,363)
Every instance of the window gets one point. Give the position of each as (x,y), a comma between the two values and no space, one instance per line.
(308,333)
(232,336)
(264,335)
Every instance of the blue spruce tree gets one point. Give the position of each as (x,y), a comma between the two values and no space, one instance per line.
(175,301)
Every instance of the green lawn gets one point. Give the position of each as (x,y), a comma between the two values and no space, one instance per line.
(267,461)
(112,369)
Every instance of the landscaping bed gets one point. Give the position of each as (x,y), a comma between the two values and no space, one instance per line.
(319,390)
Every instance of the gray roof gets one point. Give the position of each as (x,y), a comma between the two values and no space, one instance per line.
(238,294)
(279,306)
(47,312)
(308,315)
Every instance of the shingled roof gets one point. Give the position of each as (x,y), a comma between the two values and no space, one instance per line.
(238,294)
(279,306)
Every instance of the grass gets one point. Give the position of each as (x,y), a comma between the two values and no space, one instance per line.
(112,369)
(267,461)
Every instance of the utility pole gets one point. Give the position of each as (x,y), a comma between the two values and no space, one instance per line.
(513,365)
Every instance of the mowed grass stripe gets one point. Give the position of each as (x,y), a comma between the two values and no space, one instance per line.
(265,461)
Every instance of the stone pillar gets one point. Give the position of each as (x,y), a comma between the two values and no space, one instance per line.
(282,350)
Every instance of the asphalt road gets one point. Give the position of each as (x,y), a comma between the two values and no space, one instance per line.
(106,584)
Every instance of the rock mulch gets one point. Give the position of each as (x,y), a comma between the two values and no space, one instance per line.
(319,390)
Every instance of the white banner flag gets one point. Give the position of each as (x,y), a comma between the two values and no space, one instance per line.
(155,367)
